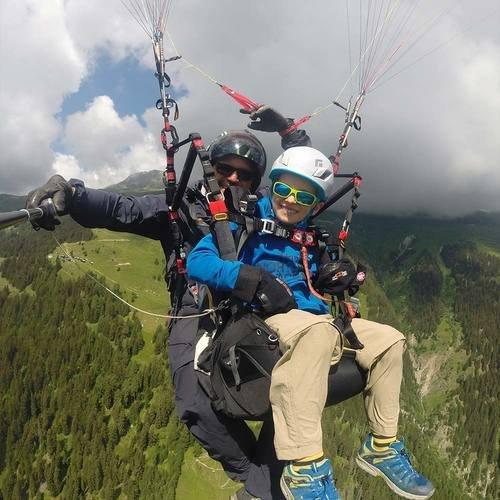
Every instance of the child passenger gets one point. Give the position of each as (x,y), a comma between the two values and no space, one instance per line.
(269,275)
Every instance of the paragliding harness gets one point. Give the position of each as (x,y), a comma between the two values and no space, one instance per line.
(214,199)
(237,351)
(240,350)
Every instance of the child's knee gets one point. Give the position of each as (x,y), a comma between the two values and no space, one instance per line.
(323,339)
(395,352)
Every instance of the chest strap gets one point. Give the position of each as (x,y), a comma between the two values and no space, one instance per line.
(307,237)
(300,236)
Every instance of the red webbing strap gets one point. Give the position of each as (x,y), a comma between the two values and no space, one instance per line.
(245,102)
(295,125)
(218,210)
(307,272)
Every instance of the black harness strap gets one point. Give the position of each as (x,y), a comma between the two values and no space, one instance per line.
(216,204)
(234,365)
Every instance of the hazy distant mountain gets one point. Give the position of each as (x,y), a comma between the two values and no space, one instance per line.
(10,202)
(140,182)
(151,182)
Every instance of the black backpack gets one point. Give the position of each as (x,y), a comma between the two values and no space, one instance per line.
(240,360)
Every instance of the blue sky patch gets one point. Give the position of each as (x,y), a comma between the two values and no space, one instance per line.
(132,87)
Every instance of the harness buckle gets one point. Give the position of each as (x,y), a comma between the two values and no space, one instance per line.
(247,204)
(268,226)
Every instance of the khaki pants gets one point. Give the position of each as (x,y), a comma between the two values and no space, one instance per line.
(299,383)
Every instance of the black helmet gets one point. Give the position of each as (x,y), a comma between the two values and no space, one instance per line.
(240,143)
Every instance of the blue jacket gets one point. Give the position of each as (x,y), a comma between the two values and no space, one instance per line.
(277,255)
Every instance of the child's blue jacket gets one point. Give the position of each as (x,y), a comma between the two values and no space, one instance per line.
(277,255)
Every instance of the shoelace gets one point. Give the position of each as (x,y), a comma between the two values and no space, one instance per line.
(406,465)
(405,454)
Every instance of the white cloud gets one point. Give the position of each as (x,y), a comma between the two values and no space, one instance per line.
(97,25)
(108,146)
(426,134)
(476,84)
(40,65)
(46,49)
(67,166)
(429,136)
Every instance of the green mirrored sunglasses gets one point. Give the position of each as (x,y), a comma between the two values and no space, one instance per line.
(301,197)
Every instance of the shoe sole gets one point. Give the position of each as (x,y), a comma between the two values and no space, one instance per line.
(285,490)
(363,464)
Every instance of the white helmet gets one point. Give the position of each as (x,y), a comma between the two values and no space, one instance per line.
(308,163)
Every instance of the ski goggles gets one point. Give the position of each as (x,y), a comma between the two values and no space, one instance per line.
(304,198)
(228,170)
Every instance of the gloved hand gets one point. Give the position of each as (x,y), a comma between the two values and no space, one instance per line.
(336,277)
(267,119)
(271,294)
(274,295)
(61,194)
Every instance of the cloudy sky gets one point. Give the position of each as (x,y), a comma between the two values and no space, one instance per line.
(77,91)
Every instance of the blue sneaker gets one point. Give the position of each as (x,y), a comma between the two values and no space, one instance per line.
(396,470)
(313,481)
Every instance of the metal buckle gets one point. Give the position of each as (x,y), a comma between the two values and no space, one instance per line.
(268,226)
(247,204)
(211,197)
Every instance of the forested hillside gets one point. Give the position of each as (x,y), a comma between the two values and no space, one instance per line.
(86,408)
(443,279)
(80,413)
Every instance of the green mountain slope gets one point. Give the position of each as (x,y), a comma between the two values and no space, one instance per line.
(86,404)
(86,398)
(9,202)
(442,277)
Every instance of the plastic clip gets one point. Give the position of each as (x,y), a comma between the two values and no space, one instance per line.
(268,226)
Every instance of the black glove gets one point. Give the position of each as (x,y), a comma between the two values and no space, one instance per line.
(271,294)
(267,119)
(61,193)
(295,138)
(336,277)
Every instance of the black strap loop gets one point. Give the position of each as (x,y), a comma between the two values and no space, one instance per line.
(357,123)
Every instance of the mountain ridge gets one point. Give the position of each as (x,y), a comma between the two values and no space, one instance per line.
(150,182)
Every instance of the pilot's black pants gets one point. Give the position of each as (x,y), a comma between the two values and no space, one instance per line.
(229,441)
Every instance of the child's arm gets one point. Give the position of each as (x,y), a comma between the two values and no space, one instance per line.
(248,283)
(205,266)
